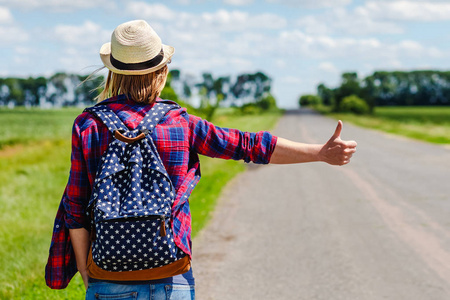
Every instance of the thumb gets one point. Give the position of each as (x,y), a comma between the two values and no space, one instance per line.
(337,132)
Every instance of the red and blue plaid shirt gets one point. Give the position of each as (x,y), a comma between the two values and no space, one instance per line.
(179,138)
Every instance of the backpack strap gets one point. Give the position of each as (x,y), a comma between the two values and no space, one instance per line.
(155,115)
(108,117)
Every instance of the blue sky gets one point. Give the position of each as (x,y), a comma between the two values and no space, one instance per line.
(298,43)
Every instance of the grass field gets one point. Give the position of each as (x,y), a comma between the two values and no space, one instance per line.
(34,164)
(23,126)
(430,124)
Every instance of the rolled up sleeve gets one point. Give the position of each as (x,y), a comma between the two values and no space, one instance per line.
(213,141)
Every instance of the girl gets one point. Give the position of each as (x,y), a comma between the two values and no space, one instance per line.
(137,62)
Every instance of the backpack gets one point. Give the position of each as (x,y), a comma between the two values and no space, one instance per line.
(132,197)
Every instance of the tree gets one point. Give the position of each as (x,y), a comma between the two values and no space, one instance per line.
(251,87)
(407,88)
(309,100)
(219,87)
(16,92)
(350,86)
(175,74)
(207,106)
(89,88)
(207,85)
(168,92)
(326,94)
(34,89)
(64,89)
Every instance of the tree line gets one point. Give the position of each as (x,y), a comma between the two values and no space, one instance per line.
(59,90)
(245,90)
(383,88)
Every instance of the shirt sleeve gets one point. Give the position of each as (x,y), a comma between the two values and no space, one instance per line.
(213,141)
(76,194)
(61,263)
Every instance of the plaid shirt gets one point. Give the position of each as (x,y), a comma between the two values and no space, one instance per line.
(179,138)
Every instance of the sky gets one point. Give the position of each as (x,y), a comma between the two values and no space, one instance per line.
(298,43)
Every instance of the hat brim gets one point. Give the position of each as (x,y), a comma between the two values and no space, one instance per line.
(105,55)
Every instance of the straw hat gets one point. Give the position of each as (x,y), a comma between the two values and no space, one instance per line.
(135,49)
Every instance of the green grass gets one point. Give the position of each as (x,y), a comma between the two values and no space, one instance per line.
(423,114)
(429,124)
(33,174)
(32,181)
(22,125)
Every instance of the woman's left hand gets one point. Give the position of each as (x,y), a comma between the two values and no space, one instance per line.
(85,277)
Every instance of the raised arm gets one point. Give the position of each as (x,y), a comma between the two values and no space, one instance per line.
(333,152)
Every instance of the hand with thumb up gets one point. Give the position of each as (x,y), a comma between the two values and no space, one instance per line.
(337,151)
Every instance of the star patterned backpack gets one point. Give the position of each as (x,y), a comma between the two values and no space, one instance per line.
(132,197)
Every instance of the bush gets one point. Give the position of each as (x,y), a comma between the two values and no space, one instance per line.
(267,103)
(309,100)
(354,104)
(250,109)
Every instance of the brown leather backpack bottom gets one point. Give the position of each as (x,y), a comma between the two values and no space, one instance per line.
(178,267)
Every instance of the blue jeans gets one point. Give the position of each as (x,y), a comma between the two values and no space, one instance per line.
(160,291)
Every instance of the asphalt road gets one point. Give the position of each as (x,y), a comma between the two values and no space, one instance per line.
(377,228)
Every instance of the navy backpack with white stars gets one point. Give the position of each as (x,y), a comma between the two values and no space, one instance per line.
(132,197)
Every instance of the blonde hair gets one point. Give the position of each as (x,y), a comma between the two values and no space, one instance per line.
(139,88)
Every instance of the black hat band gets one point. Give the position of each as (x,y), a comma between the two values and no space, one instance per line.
(138,66)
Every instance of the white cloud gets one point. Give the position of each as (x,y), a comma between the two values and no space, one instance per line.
(80,45)
(56,5)
(342,21)
(11,35)
(372,17)
(312,3)
(216,62)
(221,20)
(23,50)
(86,35)
(237,40)
(5,16)
(151,11)
(280,63)
(241,21)
(74,60)
(326,47)
(238,2)
(407,10)
(416,50)
(291,80)
(211,40)
(327,66)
